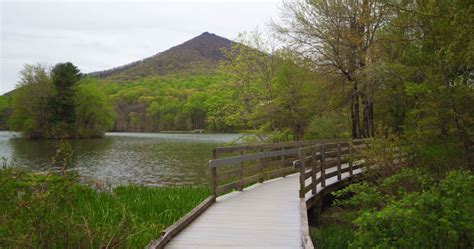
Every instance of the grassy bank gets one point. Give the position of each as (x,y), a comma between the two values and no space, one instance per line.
(51,211)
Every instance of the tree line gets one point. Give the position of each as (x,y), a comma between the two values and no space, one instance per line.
(58,103)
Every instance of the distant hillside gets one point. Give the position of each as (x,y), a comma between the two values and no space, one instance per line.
(198,55)
(172,90)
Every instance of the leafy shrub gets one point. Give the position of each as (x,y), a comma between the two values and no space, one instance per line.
(417,213)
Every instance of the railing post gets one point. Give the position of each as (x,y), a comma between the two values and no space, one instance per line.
(313,171)
(241,173)
(339,161)
(261,168)
(351,172)
(214,182)
(214,153)
(213,176)
(323,166)
(301,155)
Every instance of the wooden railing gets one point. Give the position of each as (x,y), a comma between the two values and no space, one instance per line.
(318,163)
(245,165)
(234,173)
(226,151)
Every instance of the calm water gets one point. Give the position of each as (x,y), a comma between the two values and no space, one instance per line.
(123,158)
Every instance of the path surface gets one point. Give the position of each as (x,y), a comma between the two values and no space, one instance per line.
(265,215)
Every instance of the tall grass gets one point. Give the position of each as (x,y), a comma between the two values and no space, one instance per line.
(336,230)
(50,211)
(332,236)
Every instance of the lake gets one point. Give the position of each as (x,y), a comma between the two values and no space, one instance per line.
(153,159)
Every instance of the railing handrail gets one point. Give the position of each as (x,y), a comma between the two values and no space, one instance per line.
(281,155)
(238,148)
(250,157)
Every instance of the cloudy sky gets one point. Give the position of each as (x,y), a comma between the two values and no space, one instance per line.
(101,35)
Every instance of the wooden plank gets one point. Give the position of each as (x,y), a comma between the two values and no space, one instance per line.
(230,149)
(351,170)
(252,169)
(306,189)
(314,170)
(241,172)
(339,162)
(283,162)
(279,172)
(329,162)
(302,157)
(336,145)
(344,170)
(334,153)
(305,238)
(227,187)
(331,174)
(251,179)
(213,181)
(261,216)
(230,174)
(214,153)
(308,174)
(250,157)
(174,229)
(323,166)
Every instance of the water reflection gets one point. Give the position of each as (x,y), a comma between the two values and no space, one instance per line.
(122,158)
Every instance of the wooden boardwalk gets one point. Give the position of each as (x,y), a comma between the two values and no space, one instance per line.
(286,180)
(264,215)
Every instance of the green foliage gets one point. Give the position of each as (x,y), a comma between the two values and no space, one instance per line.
(94,110)
(57,105)
(331,236)
(166,103)
(269,91)
(50,211)
(323,127)
(30,102)
(61,105)
(5,105)
(413,209)
(425,80)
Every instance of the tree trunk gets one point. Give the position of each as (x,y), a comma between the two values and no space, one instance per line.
(355,112)
(367,117)
(371,117)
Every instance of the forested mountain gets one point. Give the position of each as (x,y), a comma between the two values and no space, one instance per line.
(196,56)
(163,92)
(168,91)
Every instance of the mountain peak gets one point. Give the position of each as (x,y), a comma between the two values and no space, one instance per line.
(198,55)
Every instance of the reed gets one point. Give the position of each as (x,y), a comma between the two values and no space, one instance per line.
(51,211)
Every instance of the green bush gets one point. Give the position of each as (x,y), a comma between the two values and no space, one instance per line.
(414,210)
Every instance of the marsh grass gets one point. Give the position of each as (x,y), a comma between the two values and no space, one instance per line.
(51,211)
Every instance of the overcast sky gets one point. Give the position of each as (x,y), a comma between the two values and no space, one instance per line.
(101,35)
